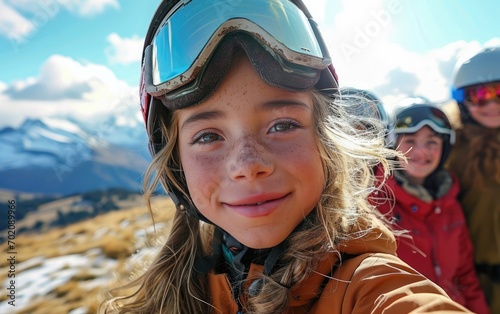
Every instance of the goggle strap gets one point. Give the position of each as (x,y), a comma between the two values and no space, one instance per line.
(458,94)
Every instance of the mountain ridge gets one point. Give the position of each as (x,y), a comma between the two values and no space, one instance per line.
(64,156)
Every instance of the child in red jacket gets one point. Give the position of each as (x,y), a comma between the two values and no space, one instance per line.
(422,199)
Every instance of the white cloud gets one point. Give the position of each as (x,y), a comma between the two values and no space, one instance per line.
(88,7)
(64,78)
(124,50)
(20,18)
(364,55)
(391,70)
(12,23)
(495,42)
(66,87)
(359,43)
(3,87)
(317,9)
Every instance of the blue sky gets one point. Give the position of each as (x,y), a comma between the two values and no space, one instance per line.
(432,24)
(77,35)
(81,57)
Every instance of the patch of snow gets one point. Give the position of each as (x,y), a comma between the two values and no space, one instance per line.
(124,224)
(30,263)
(142,236)
(38,281)
(54,136)
(61,124)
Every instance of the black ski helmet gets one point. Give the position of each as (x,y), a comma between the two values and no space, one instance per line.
(413,113)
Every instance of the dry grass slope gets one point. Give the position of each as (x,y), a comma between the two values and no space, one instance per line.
(116,236)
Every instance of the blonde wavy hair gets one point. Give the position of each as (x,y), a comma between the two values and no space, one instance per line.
(349,155)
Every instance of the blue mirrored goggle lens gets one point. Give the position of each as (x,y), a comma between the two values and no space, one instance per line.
(187,32)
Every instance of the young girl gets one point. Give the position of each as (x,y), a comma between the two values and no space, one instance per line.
(476,160)
(269,180)
(423,200)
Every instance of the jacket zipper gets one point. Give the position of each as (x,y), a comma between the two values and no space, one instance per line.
(437,268)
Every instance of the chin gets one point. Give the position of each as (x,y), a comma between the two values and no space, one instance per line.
(260,242)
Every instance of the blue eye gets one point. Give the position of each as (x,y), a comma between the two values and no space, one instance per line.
(284,126)
(206,138)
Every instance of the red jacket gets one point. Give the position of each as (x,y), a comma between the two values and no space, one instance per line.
(440,247)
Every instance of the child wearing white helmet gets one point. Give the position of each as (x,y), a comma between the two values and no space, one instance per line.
(476,160)
(269,177)
(422,199)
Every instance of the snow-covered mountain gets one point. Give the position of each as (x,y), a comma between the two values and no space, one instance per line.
(63,155)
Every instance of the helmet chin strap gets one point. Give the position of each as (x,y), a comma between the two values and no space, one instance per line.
(234,258)
(239,257)
(231,256)
(182,204)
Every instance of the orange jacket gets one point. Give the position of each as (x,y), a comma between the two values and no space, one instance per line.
(371,280)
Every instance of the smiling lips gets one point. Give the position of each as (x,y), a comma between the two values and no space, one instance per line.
(420,161)
(257,206)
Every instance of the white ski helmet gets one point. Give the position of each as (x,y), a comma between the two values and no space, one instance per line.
(482,68)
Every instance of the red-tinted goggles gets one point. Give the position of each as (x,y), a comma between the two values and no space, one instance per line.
(480,95)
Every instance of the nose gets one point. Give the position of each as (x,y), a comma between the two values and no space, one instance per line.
(419,150)
(249,159)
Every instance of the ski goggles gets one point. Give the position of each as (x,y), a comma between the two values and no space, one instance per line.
(480,95)
(412,119)
(192,30)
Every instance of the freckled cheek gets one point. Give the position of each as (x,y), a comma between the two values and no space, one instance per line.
(303,158)
(204,177)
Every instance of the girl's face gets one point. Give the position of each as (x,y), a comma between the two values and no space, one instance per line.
(250,159)
(423,150)
(487,115)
